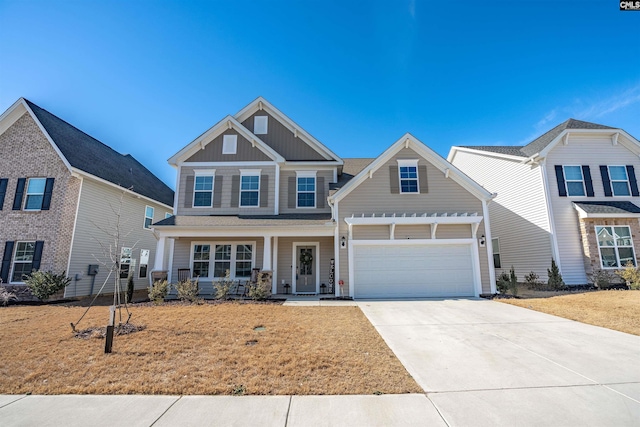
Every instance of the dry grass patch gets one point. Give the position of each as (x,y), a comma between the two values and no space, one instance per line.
(199,349)
(618,310)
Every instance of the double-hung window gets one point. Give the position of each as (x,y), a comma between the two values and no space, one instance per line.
(201,257)
(574,180)
(619,181)
(408,170)
(615,246)
(237,258)
(148,217)
(23,261)
(249,188)
(203,188)
(35,194)
(306,189)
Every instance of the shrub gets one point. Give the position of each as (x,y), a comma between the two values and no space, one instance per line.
(631,275)
(224,286)
(532,281)
(158,291)
(261,290)
(602,279)
(5,295)
(513,281)
(130,286)
(43,284)
(555,281)
(187,290)
(503,282)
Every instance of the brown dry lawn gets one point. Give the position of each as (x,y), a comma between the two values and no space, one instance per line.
(199,349)
(618,310)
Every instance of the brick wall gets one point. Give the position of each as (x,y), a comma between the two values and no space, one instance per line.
(25,152)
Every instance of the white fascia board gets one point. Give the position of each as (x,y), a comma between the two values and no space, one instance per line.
(416,145)
(254,106)
(84,174)
(223,164)
(398,220)
(12,114)
(245,231)
(217,129)
(328,165)
(454,150)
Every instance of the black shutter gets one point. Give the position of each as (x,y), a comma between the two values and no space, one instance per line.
(562,190)
(235,190)
(586,173)
(631,173)
(606,182)
(264,191)
(37,255)
(394,179)
(422,179)
(292,193)
(17,200)
(217,192)
(188,192)
(48,190)
(320,198)
(3,190)
(6,261)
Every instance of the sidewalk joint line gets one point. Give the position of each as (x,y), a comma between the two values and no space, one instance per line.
(14,401)
(165,411)
(286,420)
(437,409)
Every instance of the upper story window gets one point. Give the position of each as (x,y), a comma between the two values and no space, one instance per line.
(260,125)
(35,194)
(619,181)
(203,188)
(616,246)
(23,261)
(229,144)
(306,189)
(574,180)
(408,170)
(249,188)
(148,217)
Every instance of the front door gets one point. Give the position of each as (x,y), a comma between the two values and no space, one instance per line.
(306,269)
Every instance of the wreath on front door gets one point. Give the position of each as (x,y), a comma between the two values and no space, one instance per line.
(306,258)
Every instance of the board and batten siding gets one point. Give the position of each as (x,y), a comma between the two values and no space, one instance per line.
(226,173)
(519,216)
(288,194)
(373,196)
(245,152)
(593,152)
(95,222)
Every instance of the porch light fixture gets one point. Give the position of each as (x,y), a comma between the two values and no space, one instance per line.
(343,242)
(482,241)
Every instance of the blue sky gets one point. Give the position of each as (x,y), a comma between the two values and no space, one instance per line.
(147,77)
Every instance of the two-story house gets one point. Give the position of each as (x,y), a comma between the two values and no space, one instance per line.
(570,195)
(63,196)
(257,191)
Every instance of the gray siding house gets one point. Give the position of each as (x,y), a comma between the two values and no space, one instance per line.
(61,194)
(257,191)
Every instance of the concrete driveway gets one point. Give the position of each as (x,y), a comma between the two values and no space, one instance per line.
(485,363)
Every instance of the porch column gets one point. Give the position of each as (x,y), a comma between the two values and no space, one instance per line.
(274,275)
(266,255)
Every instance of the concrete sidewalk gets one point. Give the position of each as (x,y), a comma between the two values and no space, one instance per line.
(163,411)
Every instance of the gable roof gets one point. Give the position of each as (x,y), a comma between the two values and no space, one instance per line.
(262,104)
(350,169)
(409,141)
(86,154)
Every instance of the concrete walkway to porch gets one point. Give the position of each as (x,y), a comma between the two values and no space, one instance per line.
(314,300)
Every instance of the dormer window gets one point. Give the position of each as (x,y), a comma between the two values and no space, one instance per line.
(260,125)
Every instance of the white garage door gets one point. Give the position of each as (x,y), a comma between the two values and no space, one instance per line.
(395,271)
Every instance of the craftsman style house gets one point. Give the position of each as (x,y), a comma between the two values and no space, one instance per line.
(570,195)
(60,192)
(257,191)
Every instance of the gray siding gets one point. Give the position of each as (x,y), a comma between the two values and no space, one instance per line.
(286,195)
(283,141)
(285,267)
(444,196)
(213,151)
(96,222)
(226,172)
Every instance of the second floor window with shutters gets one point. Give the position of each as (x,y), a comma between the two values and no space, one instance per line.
(574,180)
(408,170)
(35,194)
(619,180)
(203,191)
(250,189)
(306,193)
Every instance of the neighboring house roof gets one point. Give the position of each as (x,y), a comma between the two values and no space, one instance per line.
(509,150)
(350,169)
(87,154)
(608,208)
(245,220)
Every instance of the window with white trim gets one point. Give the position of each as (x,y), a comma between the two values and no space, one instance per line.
(495,243)
(260,125)
(249,188)
(237,258)
(22,261)
(619,180)
(203,188)
(574,180)
(408,171)
(144,263)
(148,217)
(229,144)
(615,246)
(201,257)
(306,189)
(35,194)
(167,215)
(125,262)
